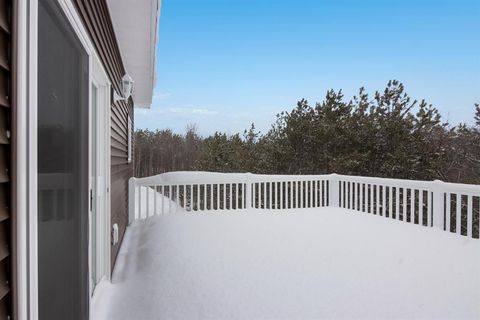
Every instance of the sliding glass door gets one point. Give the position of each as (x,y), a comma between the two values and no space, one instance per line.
(93,190)
(63,175)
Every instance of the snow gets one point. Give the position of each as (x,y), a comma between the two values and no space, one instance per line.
(290,264)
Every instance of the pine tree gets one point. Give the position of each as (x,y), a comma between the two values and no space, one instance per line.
(477,114)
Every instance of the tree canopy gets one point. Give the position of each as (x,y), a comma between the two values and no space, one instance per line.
(388,134)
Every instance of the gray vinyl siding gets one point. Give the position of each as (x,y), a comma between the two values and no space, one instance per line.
(98,24)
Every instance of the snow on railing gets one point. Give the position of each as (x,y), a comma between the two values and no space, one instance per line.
(424,203)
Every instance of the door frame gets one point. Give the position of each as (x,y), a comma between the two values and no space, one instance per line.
(99,78)
(26,151)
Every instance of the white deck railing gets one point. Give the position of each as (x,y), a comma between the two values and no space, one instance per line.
(425,203)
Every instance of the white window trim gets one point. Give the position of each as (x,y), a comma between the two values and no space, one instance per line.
(22,86)
(27,152)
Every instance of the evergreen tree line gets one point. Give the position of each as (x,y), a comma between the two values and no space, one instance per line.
(385,135)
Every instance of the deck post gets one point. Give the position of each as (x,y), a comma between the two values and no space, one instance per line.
(248,191)
(131,199)
(438,204)
(333,193)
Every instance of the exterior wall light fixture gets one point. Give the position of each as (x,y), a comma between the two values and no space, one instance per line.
(126,85)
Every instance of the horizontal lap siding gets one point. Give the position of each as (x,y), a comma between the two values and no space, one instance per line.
(97,21)
(6,106)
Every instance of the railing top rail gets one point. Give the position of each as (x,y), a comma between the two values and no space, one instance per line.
(203,177)
(418,184)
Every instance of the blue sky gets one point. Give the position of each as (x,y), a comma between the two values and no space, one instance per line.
(223,64)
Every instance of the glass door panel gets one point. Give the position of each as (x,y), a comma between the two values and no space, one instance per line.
(63,178)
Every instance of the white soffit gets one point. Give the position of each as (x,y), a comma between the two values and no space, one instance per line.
(136,24)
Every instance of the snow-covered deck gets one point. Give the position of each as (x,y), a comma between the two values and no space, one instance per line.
(293,264)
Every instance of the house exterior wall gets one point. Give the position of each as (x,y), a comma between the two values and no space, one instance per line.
(97,22)
(6,105)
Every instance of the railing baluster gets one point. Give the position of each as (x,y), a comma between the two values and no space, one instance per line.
(204,197)
(191,197)
(289,194)
(276,196)
(311,186)
(307,194)
(428,204)
(360,197)
(448,212)
(281,195)
(236,196)
(458,214)
(358,191)
(147,212)
(372,203)
(177,197)
(421,207)
(301,194)
(154,200)
(382,199)
(211,197)
(224,207)
(357,196)
(311,193)
(346,195)
(390,202)
(323,193)
(340,191)
(169,198)
(140,215)
(230,194)
(412,205)
(264,195)
(349,195)
(183,201)
(163,198)
(469,216)
(297,194)
(320,193)
(397,203)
